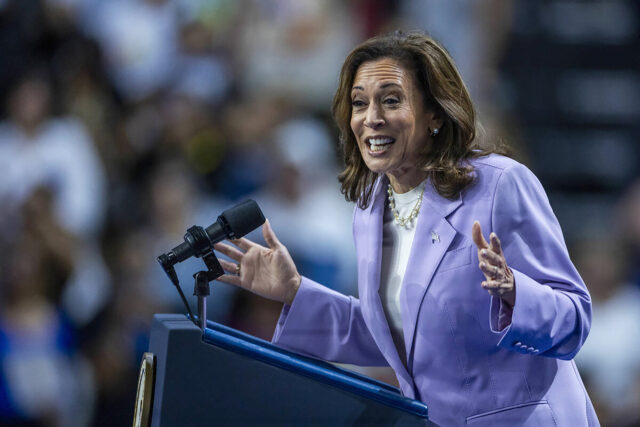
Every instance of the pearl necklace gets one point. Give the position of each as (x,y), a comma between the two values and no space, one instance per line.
(408,220)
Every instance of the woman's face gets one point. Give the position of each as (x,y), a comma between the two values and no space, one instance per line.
(390,121)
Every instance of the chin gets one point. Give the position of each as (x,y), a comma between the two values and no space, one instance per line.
(376,166)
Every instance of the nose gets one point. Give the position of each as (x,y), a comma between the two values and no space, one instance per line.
(374,118)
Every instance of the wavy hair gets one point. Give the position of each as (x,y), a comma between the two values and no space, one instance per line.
(443,90)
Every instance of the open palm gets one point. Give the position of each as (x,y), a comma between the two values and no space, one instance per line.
(265,271)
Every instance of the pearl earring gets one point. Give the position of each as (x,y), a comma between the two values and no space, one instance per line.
(435,132)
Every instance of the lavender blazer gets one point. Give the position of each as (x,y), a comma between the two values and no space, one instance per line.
(470,361)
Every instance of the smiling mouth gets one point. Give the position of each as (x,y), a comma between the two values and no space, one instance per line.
(379,144)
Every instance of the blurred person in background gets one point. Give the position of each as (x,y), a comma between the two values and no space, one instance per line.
(477,49)
(628,224)
(610,359)
(251,143)
(175,204)
(287,41)
(303,201)
(44,380)
(38,149)
(139,40)
(481,344)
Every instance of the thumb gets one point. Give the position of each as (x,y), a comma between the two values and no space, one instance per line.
(269,235)
(478,238)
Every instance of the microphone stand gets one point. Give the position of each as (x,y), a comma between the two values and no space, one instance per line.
(201,286)
(203,248)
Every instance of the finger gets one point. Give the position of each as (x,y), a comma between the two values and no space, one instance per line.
(231,279)
(486,270)
(492,284)
(495,287)
(492,258)
(478,238)
(269,235)
(228,266)
(491,272)
(243,243)
(498,287)
(229,251)
(495,243)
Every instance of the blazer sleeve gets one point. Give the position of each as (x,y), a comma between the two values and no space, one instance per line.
(328,325)
(552,312)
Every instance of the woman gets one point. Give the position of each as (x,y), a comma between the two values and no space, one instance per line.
(486,343)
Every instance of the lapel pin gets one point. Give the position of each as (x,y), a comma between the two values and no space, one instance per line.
(434,237)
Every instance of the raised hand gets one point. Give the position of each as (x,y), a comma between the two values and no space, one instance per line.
(499,279)
(265,271)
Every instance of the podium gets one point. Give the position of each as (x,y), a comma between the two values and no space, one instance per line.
(221,376)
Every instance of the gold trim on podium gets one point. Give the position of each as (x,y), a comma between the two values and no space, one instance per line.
(144,395)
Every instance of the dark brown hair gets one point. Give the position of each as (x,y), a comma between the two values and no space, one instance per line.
(437,78)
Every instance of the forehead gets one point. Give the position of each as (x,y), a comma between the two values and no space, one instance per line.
(381,71)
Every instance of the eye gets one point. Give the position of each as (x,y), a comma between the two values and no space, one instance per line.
(357,103)
(391,101)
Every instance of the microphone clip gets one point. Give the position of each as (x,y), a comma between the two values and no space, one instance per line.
(202,247)
(201,287)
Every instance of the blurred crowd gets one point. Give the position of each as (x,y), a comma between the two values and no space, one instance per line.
(124,122)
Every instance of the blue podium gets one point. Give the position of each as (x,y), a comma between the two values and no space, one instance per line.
(221,376)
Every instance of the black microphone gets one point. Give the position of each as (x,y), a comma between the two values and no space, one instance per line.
(233,223)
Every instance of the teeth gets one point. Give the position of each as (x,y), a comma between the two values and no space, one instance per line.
(377,148)
(380,141)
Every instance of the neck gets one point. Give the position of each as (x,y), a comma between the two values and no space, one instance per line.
(406,182)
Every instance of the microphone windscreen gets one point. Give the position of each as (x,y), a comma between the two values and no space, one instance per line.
(243,218)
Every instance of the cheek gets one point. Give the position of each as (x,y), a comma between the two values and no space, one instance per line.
(414,131)
(354,126)
(355,130)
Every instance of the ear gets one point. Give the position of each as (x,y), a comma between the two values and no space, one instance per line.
(434,120)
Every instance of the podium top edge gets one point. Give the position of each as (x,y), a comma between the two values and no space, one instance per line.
(247,345)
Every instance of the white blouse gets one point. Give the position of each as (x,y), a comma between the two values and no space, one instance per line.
(396,248)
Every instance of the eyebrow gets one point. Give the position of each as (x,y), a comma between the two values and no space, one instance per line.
(384,86)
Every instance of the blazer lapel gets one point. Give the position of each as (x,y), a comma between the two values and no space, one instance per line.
(433,237)
(372,310)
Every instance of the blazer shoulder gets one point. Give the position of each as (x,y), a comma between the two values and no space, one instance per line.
(494,161)
(495,165)
(495,171)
